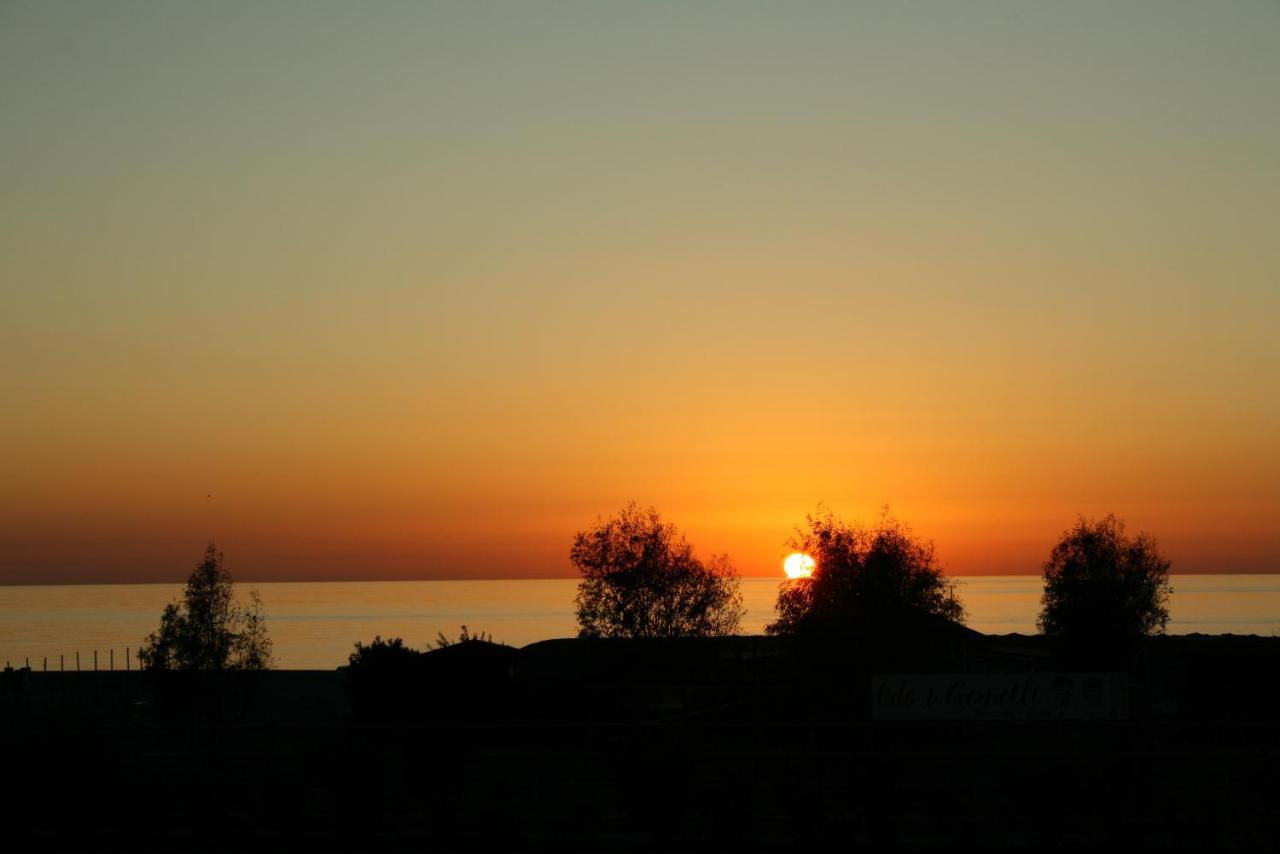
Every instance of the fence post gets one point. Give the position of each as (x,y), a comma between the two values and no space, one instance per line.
(95,661)
(27,661)
(46,664)
(112,668)
(77,661)
(126,659)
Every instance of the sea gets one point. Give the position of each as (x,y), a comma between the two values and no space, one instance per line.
(315,625)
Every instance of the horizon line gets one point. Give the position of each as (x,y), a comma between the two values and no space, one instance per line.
(386,580)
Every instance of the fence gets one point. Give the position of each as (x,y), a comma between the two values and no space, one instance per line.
(62,661)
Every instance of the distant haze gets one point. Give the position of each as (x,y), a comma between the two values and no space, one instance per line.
(416,291)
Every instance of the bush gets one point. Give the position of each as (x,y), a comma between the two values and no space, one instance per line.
(642,580)
(381,654)
(465,679)
(1100,584)
(464,636)
(863,579)
(208,631)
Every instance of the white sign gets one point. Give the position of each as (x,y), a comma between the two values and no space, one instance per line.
(986,696)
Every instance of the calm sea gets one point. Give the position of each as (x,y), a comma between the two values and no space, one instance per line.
(315,625)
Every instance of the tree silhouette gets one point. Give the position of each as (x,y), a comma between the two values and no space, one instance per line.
(208,631)
(1100,584)
(864,578)
(640,578)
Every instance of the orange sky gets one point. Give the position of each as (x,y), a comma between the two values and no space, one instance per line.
(420,292)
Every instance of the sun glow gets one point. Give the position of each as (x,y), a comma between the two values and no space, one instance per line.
(798,565)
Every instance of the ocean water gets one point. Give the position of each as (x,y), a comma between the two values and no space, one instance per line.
(315,625)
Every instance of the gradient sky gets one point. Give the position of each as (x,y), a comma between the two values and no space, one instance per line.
(410,290)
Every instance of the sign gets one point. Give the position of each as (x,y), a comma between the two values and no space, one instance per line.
(998,696)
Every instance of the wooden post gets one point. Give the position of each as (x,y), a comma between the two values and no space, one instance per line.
(27,660)
(126,659)
(95,661)
(77,661)
(112,667)
(46,664)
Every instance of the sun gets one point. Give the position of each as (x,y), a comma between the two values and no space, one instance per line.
(798,565)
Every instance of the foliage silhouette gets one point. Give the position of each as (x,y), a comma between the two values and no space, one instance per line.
(392,654)
(389,681)
(464,636)
(1100,584)
(207,630)
(386,680)
(640,579)
(863,579)
(381,654)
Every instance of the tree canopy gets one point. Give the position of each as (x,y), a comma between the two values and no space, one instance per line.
(640,578)
(863,578)
(1100,583)
(208,630)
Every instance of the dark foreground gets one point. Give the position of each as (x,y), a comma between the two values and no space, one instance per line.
(750,744)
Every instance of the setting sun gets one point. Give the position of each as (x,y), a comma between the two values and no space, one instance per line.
(798,565)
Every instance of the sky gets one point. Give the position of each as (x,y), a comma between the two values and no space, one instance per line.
(419,290)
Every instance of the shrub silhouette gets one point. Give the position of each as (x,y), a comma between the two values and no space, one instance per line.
(464,636)
(864,579)
(640,578)
(381,654)
(390,681)
(207,630)
(1100,584)
(386,680)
